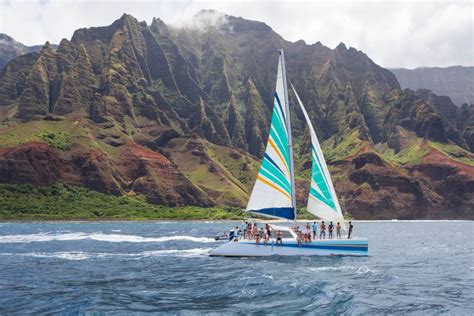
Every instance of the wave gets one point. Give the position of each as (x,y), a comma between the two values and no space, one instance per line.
(79,255)
(195,252)
(45,237)
(358,270)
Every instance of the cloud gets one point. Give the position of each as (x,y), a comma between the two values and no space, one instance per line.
(202,20)
(393,34)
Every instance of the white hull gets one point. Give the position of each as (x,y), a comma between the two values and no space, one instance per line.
(249,248)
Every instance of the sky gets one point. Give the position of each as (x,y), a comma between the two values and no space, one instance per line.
(393,33)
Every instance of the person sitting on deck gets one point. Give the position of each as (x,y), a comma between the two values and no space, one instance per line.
(338,230)
(257,238)
(265,238)
(278,238)
(322,234)
(350,230)
(254,229)
(315,230)
(330,229)
(237,232)
(299,237)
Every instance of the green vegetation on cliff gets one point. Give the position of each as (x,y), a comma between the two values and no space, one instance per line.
(67,202)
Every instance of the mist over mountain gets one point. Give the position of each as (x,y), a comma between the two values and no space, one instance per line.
(10,48)
(180,116)
(456,82)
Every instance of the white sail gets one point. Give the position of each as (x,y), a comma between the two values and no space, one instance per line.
(273,192)
(322,200)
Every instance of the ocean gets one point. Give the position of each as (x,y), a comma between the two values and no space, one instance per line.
(164,268)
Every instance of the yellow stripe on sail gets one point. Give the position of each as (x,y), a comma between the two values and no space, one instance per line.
(273,186)
(270,141)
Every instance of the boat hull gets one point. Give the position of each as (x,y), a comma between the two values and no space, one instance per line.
(248,248)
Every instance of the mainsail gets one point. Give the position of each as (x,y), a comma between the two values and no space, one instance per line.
(322,200)
(273,193)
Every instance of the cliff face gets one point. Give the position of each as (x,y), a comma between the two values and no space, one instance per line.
(180,116)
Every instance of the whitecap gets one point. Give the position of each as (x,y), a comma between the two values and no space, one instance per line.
(195,252)
(45,237)
(72,255)
(78,255)
(365,269)
(341,268)
(358,270)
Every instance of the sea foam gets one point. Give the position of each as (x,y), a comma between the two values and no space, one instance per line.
(79,255)
(45,237)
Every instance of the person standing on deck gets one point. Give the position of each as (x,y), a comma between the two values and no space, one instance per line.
(278,238)
(349,235)
(330,229)
(308,227)
(322,234)
(315,230)
(268,229)
(244,229)
(338,230)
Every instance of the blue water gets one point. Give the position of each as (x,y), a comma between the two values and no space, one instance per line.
(153,267)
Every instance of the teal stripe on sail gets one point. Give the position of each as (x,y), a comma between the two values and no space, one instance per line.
(270,172)
(319,176)
(320,180)
(321,198)
(279,135)
(280,146)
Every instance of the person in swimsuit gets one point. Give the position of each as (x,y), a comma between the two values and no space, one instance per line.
(338,230)
(268,229)
(330,229)
(279,239)
(265,238)
(350,230)
(255,230)
(299,237)
(322,234)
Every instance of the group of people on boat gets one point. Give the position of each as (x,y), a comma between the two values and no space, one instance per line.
(252,231)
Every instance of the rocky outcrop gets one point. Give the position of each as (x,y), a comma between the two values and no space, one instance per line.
(137,171)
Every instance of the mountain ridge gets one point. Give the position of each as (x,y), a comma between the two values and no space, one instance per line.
(455,81)
(117,106)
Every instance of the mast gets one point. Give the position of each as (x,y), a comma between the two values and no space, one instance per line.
(288,127)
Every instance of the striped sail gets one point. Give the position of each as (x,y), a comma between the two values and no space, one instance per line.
(322,200)
(272,194)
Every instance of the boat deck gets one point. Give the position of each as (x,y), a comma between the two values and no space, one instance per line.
(290,247)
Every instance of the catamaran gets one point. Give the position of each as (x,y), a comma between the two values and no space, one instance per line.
(274,193)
